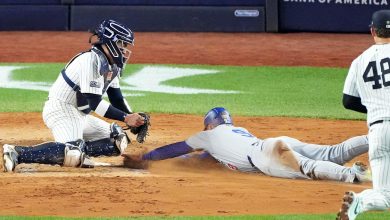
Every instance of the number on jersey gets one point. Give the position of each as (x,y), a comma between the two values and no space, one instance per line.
(242,133)
(375,77)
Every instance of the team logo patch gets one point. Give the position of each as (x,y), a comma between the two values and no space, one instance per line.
(94,84)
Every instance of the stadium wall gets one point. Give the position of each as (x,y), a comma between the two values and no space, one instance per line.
(351,16)
(192,15)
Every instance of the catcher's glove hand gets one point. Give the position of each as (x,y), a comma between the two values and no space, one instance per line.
(142,130)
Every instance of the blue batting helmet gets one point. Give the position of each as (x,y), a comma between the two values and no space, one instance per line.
(217,116)
(116,37)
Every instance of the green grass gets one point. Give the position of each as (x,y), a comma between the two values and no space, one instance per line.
(365,216)
(47,72)
(22,100)
(265,91)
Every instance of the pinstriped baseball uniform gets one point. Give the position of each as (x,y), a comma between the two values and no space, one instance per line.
(77,91)
(232,146)
(60,112)
(369,79)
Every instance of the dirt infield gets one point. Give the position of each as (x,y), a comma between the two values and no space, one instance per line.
(178,186)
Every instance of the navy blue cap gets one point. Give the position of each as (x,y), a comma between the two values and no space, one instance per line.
(381,19)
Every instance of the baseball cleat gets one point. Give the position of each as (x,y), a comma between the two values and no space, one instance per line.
(362,172)
(10,157)
(350,207)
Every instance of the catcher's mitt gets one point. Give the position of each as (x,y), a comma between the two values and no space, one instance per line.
(142,130)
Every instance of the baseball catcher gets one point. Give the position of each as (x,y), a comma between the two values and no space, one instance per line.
(77,91)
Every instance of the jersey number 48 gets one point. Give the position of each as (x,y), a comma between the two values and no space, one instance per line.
(385,69)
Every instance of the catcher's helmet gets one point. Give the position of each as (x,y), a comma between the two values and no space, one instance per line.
(116,37)
(217,116)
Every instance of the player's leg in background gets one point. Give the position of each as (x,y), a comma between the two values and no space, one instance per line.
(102,138)
(326,170)
(338,153)
(378,198)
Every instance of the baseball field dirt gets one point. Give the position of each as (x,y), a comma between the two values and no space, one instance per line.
(178,186)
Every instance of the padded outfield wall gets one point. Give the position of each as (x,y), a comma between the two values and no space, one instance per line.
(192,15)
(140,15)
(345,16)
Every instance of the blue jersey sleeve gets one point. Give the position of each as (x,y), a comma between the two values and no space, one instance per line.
(168,151)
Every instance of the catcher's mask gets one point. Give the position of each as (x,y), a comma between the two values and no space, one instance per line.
(217,116)
(117,37)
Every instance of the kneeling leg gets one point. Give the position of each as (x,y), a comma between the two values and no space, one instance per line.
(113,146)
(70,154)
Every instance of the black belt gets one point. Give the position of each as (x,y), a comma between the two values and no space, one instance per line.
(250,161)
(376,122)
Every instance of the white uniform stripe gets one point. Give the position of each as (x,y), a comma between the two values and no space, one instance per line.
(102,108)
(127,105)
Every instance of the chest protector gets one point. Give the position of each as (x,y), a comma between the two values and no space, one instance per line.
(105,69)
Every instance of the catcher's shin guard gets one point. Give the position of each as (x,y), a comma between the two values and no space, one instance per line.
(102,147)
(46,153)
(113,146)
(69,154)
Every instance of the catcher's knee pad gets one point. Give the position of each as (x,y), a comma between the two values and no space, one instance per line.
(119,137)
(74,155)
